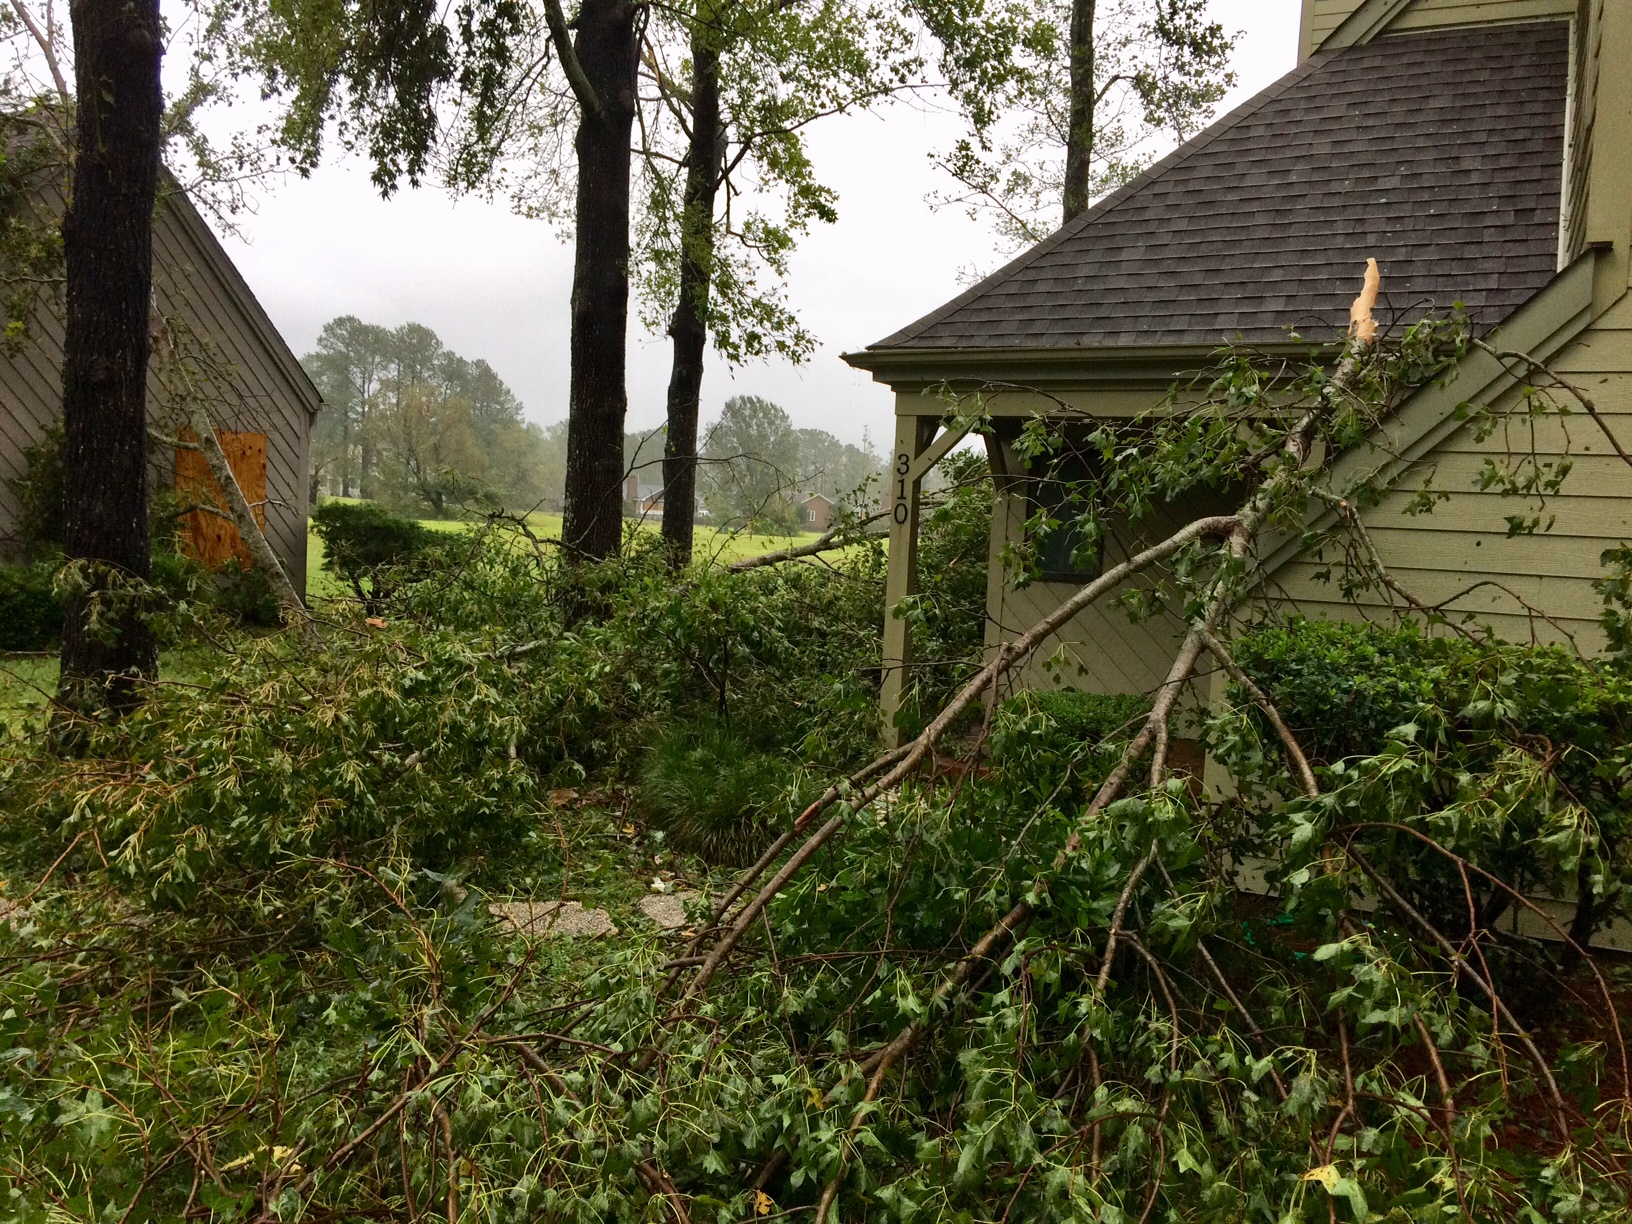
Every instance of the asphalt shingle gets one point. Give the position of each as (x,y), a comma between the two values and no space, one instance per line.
(1439,154)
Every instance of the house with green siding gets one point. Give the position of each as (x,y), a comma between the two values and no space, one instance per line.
(1482,153)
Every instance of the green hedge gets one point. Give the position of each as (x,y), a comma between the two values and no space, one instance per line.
(1047,734)
(30,612)
(1343,687)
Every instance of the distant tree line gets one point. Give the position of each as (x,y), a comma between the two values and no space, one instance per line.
(409,422)
(756,466)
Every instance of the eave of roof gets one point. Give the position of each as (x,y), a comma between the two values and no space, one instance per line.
(1101,367)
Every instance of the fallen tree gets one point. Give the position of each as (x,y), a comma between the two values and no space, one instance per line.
(1008,972)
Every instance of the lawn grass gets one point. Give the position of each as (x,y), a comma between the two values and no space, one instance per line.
(26,685)
(29,681)
(710,542)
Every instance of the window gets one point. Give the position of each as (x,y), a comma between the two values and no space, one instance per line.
(1063,555)
(210,538)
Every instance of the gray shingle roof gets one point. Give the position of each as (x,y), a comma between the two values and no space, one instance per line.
(1440,154)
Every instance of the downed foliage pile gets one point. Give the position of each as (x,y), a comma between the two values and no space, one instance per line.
(250,972)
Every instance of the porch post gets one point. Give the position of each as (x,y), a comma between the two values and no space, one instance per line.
(913,434)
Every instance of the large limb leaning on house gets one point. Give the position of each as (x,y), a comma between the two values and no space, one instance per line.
(1239,529)
(1222,596)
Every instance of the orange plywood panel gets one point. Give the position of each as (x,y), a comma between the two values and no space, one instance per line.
(209,537)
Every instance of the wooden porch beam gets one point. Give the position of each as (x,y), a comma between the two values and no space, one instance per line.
(914,439)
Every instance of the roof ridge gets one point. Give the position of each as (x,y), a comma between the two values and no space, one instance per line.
(1109,203)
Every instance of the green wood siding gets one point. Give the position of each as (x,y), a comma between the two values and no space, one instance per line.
(1464,539)
(1322,17)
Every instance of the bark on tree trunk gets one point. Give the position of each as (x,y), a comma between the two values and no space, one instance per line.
(108,248)
(1079,144)
(689,327)
(606,47)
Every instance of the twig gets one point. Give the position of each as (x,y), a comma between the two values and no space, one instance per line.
(440,1113)
(351,1147)
(1462,963)
(1294,751)
(1439,1071)
(908,1037)
(1581,397)
(1252,1024)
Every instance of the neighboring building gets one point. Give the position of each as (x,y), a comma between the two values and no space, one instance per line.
(815,511)
(1482,152)
(266,403)
(640,499)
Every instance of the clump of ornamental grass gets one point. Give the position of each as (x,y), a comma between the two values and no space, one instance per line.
(712,792)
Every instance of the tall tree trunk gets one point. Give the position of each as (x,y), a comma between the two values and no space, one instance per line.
(107,646)
(689,327)
(606,47)
(1079,142)
(365,454)
(345,451)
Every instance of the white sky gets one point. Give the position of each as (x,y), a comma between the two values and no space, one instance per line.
(496,286)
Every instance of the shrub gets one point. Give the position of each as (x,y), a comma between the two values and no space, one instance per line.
(363,542)
(1042,736)
(245,594)
(39,496)
(711,792)
(1515,756)
(1343,687)
(30,611)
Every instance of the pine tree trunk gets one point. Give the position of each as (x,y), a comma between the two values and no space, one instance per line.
(689,327)
(107,646)
(1079,143)
(345,452)
(607,47)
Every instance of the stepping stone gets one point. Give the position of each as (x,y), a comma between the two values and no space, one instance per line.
(564,918)
(668,910)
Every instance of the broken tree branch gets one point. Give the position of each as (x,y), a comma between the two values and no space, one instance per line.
(249,528)
(839,537)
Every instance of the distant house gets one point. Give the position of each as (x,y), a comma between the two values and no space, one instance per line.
(1482,152)
(641,499)
(266,402)
(815,511)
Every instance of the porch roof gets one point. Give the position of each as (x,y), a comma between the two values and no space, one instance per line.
(1440,154)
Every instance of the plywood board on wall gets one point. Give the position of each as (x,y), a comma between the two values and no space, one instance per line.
(210,538)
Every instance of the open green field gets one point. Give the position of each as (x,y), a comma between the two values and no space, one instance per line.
(710,542)
(29,681)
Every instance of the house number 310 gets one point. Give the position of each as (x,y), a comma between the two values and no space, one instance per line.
(903,465)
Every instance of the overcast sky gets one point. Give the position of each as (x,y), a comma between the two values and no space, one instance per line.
(496,286)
